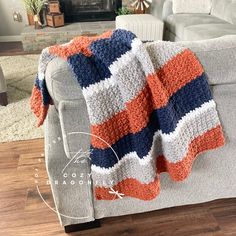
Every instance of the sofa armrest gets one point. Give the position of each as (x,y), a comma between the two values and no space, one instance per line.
(75,127)
(167,9)
(70,105)
(73,202)
(61,83)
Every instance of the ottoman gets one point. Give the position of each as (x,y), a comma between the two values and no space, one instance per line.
(3,89)
(144,26)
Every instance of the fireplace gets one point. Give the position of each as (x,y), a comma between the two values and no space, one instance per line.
(90,10)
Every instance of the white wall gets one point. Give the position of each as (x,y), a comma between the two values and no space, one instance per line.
(10,30)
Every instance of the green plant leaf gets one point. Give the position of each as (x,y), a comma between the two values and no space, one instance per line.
(33,7)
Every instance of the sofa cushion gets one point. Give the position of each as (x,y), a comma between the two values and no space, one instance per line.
(225,10)
(208,31)
(176,23)
(192,6)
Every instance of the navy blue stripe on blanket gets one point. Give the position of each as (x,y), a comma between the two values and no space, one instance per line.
(109,49)
(41,85)
(88,70)
(93,69)
(191,96)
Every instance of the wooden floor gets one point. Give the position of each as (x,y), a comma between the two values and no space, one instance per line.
(13,49)
(23,213)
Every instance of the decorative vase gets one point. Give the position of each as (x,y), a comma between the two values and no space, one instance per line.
(30,19)
(37,22)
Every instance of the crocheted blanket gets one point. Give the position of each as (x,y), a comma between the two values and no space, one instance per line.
(149,105)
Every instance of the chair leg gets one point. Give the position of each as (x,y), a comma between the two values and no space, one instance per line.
(3,99)
(83,226)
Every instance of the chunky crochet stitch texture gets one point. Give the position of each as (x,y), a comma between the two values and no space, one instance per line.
(149,102)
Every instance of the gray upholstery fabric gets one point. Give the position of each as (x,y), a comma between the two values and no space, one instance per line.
(73,202)
(176,23)
(180,27)
(156,8)
(61,82)
(213,175)
(224,9)
(208,31)
(73,117)
(218,57)
(167,9)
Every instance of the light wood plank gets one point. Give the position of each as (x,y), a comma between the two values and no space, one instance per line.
(23,213)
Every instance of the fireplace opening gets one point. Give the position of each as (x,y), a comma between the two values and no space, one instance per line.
(89,10)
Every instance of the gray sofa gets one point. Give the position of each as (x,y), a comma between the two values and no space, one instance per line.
(190,27)
(67,126)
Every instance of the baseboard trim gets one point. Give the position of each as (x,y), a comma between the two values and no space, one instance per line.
(10,38)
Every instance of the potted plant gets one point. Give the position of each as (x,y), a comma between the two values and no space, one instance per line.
(123,11)
(33,8)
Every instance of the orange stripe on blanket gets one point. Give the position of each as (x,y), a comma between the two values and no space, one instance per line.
(131,188)
(37,106)
(136,115)
(175,74)
(77,45)
(179,171)
(133,119)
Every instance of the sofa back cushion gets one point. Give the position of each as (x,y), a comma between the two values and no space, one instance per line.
(218,57)
(192,6)
(224,9)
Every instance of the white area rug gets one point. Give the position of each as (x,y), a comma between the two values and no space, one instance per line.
(16,120)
